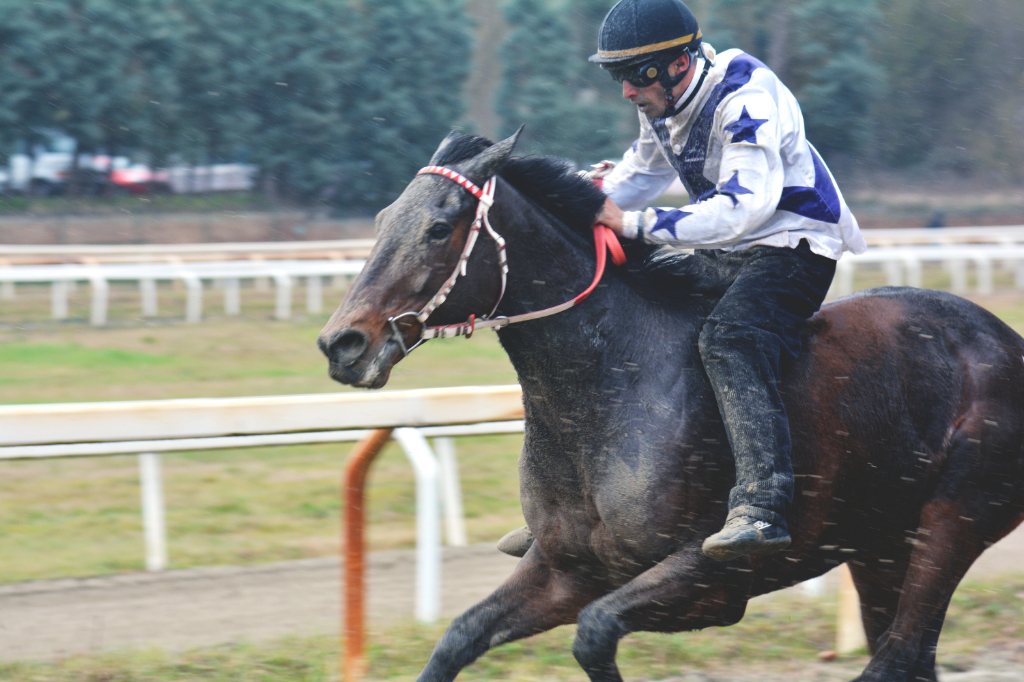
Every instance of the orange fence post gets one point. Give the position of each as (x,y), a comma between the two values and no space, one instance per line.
(353,588)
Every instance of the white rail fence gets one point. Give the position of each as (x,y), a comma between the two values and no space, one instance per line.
(901,253)
(904,265)
(148,428)
(228,274)
(335,249)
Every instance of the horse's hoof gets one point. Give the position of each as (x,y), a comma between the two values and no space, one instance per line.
(743,535)
(517,542)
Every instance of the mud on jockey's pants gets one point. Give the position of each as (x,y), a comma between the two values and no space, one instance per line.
(767,294)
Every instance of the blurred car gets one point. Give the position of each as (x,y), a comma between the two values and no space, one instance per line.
(139,179)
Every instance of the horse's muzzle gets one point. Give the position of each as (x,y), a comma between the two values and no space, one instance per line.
(346,352)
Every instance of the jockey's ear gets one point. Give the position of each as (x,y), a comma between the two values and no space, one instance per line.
(441,147)
(486,164)
(680,65)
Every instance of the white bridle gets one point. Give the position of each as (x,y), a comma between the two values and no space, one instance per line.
(602,237)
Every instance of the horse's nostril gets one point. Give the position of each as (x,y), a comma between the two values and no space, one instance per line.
(346,348)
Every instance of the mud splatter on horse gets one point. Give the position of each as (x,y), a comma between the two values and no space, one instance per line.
(906,409)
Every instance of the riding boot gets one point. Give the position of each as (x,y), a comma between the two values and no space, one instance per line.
(743,366)
(769,293)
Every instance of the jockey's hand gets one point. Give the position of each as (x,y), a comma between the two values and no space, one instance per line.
(610,216)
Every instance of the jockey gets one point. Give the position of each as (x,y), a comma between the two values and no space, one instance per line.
(765,213)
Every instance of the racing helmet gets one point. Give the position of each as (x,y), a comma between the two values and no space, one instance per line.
(638,40)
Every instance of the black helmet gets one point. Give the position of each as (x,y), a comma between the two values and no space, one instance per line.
(640,38)
(639,28)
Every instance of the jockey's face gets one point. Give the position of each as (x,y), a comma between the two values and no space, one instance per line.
(651,99)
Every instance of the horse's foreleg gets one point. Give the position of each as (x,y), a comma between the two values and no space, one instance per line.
(535,598)
(686,591)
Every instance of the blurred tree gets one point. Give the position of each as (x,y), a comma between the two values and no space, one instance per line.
(833,73)
(417,59)
(955,74)
(762,28)
(266,81)
(822,50)
(85,67)
(545,87)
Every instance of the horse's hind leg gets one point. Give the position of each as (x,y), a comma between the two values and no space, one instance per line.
(878,587)
(686,591)
(945,548)
(535,598)
(879,590)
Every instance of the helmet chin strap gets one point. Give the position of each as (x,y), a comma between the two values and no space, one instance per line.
(670,82)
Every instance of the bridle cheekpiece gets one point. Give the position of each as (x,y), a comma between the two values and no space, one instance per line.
(603,237)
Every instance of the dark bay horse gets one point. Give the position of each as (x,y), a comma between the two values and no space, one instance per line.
(906,409)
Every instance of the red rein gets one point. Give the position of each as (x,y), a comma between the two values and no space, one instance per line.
(604,239)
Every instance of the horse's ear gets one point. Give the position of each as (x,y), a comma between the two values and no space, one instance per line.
(441,147)
(484,165)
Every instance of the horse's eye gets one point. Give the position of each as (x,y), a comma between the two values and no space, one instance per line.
(439,231)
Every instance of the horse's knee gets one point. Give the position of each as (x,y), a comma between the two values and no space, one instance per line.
(598,631)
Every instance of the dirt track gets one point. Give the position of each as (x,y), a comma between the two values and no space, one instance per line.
(208,606)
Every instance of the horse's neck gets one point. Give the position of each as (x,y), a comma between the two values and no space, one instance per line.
(548,266)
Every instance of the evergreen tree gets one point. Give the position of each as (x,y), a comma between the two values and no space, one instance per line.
(417,59)
(543,86)
(833,73)
(596,88)
(87,68)
(267,81)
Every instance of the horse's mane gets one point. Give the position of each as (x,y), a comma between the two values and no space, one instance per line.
(573,201)
(547,181)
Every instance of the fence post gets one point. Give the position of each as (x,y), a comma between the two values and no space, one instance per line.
(100,291)
(59,299)
(893,273)
(193,297)
(147,287)
(283,309)
(958,275)
(153,512)
(428,524)
(232,296)
(914,272)
(451,492)
(843,284)
(353,552)
(849,627)
(983,268)
(314,294)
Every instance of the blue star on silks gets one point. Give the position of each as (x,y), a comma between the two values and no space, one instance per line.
(667,221)
(745,128)
(733,187)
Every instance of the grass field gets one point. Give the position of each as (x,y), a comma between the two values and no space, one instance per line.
(81,517)
(61,518)
(779,640)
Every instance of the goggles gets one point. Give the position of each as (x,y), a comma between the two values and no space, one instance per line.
(641,74)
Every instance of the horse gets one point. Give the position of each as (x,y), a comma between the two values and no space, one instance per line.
(906,408)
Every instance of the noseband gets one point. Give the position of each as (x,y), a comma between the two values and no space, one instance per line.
(604,239)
